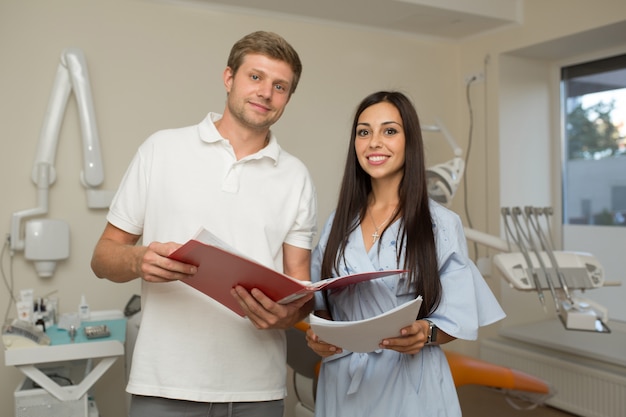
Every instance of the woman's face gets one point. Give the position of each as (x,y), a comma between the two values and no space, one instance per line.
(380,141)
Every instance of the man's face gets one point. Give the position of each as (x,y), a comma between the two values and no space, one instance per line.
(259,91)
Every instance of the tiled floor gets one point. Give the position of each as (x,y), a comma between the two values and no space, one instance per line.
(478,401)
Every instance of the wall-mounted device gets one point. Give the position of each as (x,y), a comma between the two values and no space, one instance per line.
(47,241)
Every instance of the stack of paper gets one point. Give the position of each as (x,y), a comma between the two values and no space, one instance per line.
(366,335)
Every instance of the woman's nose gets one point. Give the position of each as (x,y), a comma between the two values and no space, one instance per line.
(375,141)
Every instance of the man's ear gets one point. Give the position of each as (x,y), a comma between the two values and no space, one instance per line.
(228,76)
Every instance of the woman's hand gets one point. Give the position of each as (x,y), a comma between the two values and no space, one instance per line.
(411,340)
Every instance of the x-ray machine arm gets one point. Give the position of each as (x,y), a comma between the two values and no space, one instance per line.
(71,76)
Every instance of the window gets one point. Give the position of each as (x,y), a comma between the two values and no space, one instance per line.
(593,164)
(594,156)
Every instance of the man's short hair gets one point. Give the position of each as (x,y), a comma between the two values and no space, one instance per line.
(269,44)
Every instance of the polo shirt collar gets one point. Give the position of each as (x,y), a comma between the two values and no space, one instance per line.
(209,133)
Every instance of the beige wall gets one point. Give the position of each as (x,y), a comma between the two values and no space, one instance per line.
(154,65)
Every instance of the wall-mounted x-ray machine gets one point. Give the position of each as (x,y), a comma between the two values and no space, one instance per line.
(527,258)
(45,241)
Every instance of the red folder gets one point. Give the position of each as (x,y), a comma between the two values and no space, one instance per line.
(219,270)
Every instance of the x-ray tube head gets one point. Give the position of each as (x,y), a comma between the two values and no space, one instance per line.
(46,242)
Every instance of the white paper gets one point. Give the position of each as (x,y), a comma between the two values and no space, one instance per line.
(208,238)
(366,335)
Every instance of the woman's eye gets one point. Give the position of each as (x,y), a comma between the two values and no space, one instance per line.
(390,131)
(362,132)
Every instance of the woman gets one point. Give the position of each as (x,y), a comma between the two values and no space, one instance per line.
(385,220)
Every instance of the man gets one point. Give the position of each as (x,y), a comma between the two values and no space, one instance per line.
(229,175)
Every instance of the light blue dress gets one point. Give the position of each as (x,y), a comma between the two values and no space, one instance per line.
(385,382)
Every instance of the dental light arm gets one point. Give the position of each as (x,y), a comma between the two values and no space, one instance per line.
(488,240)
(440,127)
(71,76)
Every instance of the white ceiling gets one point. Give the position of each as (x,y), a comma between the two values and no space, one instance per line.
(447,19)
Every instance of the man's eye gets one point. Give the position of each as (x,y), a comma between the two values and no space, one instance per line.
(255,77)
(280,87)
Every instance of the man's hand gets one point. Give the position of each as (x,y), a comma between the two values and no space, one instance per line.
(118,258)
(264,313)
(155,266)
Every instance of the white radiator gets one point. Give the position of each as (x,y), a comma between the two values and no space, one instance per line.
(584,387)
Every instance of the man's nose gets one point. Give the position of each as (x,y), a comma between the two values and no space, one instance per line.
(265,90)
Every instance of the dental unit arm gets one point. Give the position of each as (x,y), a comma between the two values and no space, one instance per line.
(527,258)
(71,76)
(528,262)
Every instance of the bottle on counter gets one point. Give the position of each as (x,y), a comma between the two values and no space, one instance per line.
(83,309)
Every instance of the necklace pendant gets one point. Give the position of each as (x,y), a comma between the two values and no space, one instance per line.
(375,236)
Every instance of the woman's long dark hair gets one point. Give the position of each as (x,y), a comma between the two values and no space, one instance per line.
(415,235)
